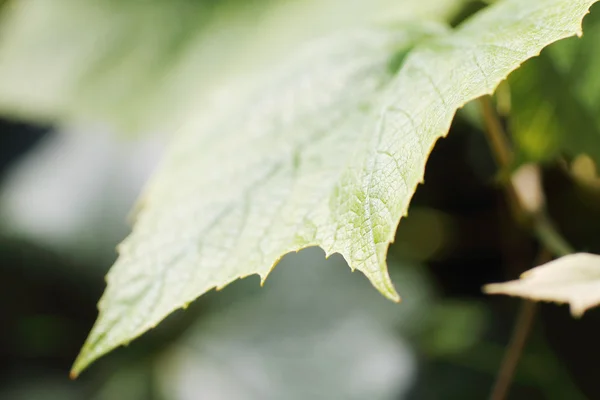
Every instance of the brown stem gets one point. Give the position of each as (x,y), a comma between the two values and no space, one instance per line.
(518,339)
(514,350)
(500,150)
(541,224)
(495,133)
(552,241)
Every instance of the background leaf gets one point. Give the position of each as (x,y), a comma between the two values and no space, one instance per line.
(327,153)
(573,279)
(149,65)
(562,117)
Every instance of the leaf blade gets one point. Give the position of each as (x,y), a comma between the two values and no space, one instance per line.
(344,191)
(362,75)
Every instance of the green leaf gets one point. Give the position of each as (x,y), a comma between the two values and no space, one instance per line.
(547,120)
(580,60)
(326,152)
(573,279)
(563,117)
(146,65)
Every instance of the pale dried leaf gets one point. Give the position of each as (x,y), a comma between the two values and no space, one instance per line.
(572,279)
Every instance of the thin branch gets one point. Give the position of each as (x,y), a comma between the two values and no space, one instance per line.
(495,133)
(500,150)
(515,347)
(541,225)
(552,241)
(514,350)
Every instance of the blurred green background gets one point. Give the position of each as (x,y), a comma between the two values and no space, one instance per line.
(315,330)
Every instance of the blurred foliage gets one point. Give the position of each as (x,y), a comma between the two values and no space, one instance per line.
(67,184)
(451,344)
(152,65)
(556,99)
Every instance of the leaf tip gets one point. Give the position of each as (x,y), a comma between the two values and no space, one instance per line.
(577,312)
(81,363)
(95,346)
(490,288)
(263,279)
(389,292)
(93,349)
(386,288)
(329,253)
(578,307)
